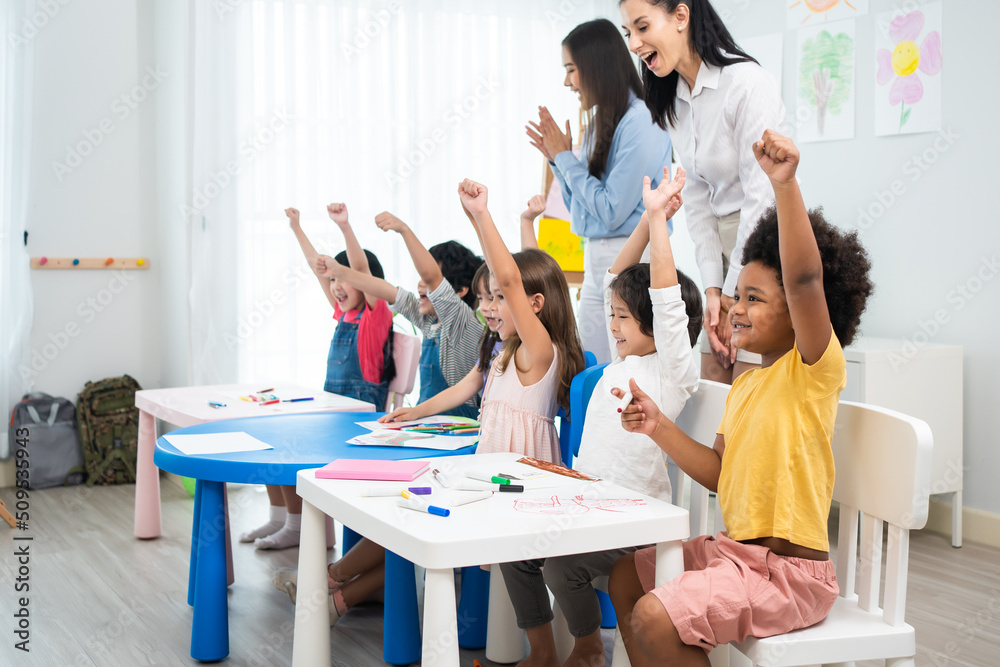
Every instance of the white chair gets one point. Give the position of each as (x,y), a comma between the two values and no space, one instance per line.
(883,461)
(406,355)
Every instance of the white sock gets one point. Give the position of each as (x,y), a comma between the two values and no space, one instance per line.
(287,537)
(275,524)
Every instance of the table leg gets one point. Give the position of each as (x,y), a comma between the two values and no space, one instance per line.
(311,638)
(147,481)
(669,561)
(210,621)
(401,617)
(230,575)
(956,519)
(504,640)
(440,644)
(195,527)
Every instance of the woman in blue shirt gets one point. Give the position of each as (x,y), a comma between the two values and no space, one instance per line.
(603,187)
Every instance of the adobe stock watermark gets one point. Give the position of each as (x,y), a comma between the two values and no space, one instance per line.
(453,117)
(248,150)
(371,29)
(87,310)
(958,297)
(31,25)
(914,168)
(121,108)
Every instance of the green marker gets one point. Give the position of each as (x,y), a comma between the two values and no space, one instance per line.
(483,477)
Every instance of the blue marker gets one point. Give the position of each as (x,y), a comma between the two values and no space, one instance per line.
(414,503)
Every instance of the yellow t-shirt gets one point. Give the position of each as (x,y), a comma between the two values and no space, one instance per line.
(777,469)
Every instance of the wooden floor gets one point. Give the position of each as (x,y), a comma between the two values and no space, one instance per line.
(101,598)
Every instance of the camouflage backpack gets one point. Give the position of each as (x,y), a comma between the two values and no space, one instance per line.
(109,430)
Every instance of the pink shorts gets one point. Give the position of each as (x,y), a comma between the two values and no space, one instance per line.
(730,591)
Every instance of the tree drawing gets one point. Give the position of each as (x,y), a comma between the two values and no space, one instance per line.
(826,73)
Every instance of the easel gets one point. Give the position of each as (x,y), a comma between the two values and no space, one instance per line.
(7,516)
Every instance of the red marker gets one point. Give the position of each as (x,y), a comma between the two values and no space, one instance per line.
(270,402)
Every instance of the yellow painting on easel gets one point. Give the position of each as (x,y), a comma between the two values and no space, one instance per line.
(565,247)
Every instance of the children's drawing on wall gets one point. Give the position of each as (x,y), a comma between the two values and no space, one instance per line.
(576,505)
(908,77)
(811,12)
(825,108)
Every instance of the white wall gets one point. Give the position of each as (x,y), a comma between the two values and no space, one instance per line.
(94,324)
(940,231)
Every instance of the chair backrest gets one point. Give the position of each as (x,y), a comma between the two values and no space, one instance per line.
(699,419)
(567,427)
(883,461)
(406,355)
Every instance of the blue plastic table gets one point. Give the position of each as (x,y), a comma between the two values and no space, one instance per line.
(300,441)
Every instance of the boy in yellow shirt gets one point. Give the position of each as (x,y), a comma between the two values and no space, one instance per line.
(799,297)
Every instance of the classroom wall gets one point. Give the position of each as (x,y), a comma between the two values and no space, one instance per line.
(938,231)
(95,90)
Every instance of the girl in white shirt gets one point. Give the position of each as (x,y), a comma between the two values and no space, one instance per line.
(717,101)
(654,315)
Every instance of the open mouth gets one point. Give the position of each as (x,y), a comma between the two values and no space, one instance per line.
(620,341)
(737,327)
(651,59)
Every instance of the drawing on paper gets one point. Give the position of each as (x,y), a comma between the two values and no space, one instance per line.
(576,505)
(801,12)
(909,56)
(826,83)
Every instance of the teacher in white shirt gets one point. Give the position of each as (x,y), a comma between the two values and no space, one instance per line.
(603,187)
(717,101)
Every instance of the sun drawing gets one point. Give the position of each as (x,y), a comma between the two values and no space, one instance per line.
(820,7)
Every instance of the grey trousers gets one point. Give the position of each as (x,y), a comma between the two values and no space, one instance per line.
(570,578)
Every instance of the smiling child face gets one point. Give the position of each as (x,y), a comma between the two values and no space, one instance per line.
(759,319)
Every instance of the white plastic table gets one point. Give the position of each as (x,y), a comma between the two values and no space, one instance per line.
(489,531)
(188,406)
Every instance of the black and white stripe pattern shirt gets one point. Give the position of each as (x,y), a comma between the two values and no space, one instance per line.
(456,326)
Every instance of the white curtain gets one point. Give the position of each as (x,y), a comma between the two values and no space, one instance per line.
(17,27)
(384,105)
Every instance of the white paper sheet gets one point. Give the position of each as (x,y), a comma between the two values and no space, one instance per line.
(216,443)
(810,13)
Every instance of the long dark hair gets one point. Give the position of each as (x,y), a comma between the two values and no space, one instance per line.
(608,79)
(710,39)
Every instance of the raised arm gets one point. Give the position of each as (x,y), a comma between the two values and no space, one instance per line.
(427,267)
(661,204)
(801,263)
(449,399)
(372,286)
(536,343)
(631,252)
(536,206)
(310,252)
(356,256)
(701,463)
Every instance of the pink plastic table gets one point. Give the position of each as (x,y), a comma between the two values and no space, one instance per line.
(188,406)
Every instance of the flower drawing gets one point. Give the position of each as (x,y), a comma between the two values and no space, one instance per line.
(901,65)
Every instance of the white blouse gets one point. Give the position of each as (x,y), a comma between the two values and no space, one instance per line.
(717,125)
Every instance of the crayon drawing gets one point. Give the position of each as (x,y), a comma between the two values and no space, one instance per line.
(576,505)
(825,108)
(908,58)
(811,12)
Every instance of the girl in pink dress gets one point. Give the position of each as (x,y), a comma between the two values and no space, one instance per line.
(530,377)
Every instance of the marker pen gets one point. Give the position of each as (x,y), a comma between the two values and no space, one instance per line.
(414,503)
(270,402)
(441,479)
(505,488)
(486,477)
(626,399)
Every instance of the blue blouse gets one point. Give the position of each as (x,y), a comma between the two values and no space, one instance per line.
(612,205)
